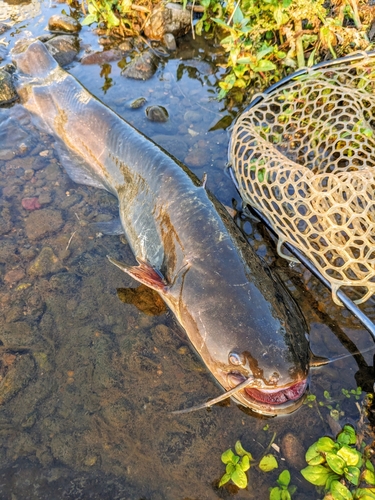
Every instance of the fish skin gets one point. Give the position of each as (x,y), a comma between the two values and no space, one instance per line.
(223,296)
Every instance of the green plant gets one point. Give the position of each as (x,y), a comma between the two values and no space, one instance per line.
(238,463)
(334,405)
(338,467)
(236,466)
(283,491)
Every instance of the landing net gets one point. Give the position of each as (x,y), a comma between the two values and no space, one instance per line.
(304,155)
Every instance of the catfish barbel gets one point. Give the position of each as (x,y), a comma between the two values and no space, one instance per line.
(241,320)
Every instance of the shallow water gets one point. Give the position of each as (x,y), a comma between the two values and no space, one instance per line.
(88,382)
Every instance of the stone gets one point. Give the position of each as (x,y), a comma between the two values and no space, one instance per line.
(170,42)
(43,222)
(61,23)
(46,263)
(169,18)
(142,67)
(104,56)
(8,92)
(157,114)
(293,451)
(137,103)
(64,48)
(14,276)
(31,204)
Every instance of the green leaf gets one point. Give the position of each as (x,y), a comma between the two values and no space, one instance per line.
(336,463)
(275,493)
(352,475)
(284,478)
(351,456)
(325,444)
(91,18)
(369,477)
(340,492)
(313,456)
(228,457)
(365,494)
(263,52)
(239,477)
(230,468)
(265,65)
(369,466)
(237,16)
(316,474)
(112,19)
(268,463)
(245,463)
(224,479)
(241,451)
(285,495)
(347,435)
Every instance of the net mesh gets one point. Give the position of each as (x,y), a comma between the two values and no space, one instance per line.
(305,157)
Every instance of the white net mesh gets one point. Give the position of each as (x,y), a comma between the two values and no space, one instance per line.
(305,157)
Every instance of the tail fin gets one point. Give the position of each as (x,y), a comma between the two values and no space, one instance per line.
(33,59)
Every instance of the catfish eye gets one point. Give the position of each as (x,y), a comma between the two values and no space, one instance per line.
(235,358)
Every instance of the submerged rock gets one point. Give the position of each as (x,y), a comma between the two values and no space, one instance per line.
(104,56)
(42,222)
(8,92)
(61,23)
(141,67)
(45,263)
(137,103)
(157,114)
(64,48)
(167,18)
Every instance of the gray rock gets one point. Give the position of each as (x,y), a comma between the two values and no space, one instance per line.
(42,222)
(169,18)
(61,23)
(141,67)
(170,41)
(137,103)
(8,92)
(157,114)
(64,48)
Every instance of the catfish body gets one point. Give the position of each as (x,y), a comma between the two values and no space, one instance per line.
(238,316)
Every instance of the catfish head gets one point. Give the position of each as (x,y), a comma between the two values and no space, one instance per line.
(251,335)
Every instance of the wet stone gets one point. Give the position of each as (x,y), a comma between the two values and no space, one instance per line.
(46,263)
(169,18)
(70,200)
(62,23)
(65,283)
(104,56)
(16,333)
(157,114)
(43,222)
(18,371)
(293,451)
(170,41)
(138,103)
(8,92)
(14,276)
(64,48)
(141,67)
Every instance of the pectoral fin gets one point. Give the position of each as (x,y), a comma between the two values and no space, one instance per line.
(144,273)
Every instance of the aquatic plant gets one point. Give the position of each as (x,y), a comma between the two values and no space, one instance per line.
(334,404)
(283,491)
(339,467)
(238,463)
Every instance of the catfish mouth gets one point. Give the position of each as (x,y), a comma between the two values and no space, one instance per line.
(270,401)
